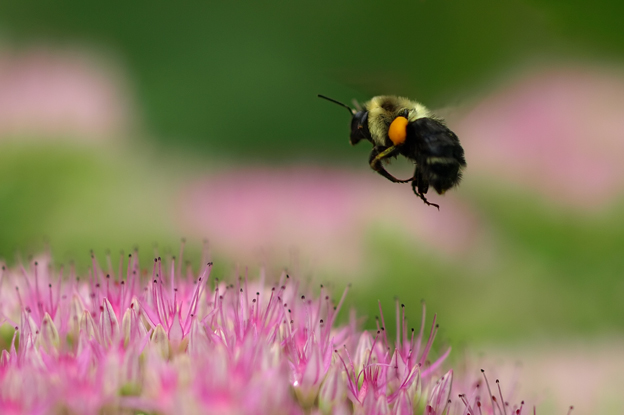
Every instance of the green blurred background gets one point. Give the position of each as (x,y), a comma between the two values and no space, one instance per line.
(222,85)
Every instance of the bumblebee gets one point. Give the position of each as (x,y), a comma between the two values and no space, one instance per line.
(397,126)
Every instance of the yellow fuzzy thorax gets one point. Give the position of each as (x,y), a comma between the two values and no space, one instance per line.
(384,109)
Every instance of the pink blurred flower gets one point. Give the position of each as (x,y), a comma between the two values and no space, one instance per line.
(568,371)
(559,132)
(479,395)
(52,94)
(325,214)
(172,343)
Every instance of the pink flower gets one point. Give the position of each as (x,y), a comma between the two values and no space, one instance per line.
(559,132)
(49,94)
(165,343)
(325,214)
(477,393)
(377,378)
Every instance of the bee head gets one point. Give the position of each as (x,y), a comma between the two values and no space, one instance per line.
(359,122)
(359,127)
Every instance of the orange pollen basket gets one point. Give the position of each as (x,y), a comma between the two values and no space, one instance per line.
(398,130)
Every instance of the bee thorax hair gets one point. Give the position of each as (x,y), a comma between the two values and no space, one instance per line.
(382,110)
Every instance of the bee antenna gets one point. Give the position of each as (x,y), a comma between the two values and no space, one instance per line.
(351,111)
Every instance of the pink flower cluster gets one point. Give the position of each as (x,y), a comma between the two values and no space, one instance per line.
(172,342)
(49,94)
(326,213)
(557,131)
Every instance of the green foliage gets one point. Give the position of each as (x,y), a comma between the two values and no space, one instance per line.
(241,78)
(238,81)
(64,196)
(556,273)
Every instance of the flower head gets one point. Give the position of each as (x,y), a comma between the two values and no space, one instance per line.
(174,344)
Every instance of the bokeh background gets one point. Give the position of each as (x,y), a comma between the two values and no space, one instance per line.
(134,124)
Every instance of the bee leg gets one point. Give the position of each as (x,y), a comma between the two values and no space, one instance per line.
(420,187)
(380,153)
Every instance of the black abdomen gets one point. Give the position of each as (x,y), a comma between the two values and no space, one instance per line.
(437,152)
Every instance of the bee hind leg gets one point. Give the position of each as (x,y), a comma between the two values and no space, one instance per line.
(420,187)
(378,155)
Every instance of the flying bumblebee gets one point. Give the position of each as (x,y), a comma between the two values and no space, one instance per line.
(397,126)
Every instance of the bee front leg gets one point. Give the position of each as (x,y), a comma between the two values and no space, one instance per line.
(380,153)
(420,186)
